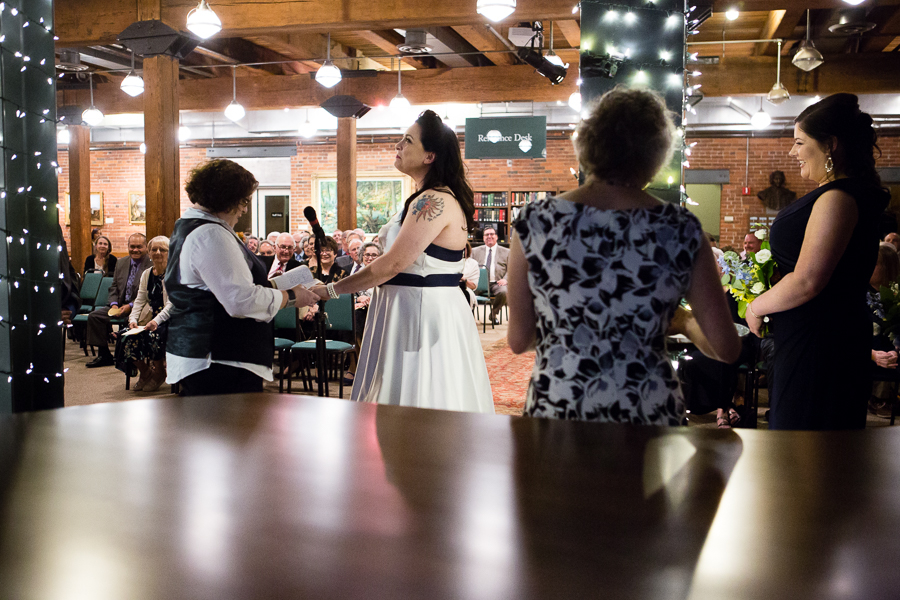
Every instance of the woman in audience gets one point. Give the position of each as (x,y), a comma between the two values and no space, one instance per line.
(221,339)
(102,259)
(331,271)
(370,252)
(884,351)
(825,244)
(596,275)
(147,349)
(421,347)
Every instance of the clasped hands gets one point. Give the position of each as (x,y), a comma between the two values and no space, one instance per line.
(885,360)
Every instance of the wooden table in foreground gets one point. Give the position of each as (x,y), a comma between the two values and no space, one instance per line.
(271,496)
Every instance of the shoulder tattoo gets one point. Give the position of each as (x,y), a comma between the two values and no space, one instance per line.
(429,207)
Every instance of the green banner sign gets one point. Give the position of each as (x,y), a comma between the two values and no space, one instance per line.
(506,137)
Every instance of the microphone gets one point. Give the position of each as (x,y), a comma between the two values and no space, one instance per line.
(310,213)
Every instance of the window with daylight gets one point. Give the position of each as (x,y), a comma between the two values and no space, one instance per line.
(378,198)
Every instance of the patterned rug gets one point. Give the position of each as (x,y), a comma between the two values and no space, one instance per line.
(509,374)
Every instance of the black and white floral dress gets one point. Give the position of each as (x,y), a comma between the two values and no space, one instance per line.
(605,285)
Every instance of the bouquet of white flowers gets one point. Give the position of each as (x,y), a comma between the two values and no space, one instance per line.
(749,278)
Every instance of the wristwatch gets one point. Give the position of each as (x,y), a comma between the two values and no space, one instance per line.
(292,298)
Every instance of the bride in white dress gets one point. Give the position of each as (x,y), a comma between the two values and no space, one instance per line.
(420,346)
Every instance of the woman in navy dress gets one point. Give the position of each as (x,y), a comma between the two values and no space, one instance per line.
(826,245)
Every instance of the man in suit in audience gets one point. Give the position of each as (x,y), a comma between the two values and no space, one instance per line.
(352,262)
(284,260)
(494,258)
(122,293)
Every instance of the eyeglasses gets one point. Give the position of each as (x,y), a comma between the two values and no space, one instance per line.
(371,255)
(283,247)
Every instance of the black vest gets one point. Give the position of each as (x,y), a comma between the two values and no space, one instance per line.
(200,326)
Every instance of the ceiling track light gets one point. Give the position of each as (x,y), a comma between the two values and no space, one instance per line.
(807,56)
(778,93)
(495,10)
(133,84)
(399,102)
(234,111)
(328,75)
(92,116)
(203,22)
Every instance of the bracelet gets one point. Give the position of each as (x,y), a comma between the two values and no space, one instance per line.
(764,319)
(331,293)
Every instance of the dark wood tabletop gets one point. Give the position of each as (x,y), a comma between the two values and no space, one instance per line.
(276,496)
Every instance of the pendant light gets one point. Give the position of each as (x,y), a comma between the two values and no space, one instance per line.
(133,84)
(203,22)
(328,75)
(399,102)
(761,119)
(778,93)
(495,10)
(92,116)
(307,129)
(807,57)
(551,55)
(234,111)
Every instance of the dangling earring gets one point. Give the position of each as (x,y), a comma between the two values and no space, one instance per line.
(829,166)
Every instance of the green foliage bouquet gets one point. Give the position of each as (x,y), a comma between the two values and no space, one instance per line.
(748,279)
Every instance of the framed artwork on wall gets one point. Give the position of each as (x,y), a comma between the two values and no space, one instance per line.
(96,208)
(378,197)
(137,208)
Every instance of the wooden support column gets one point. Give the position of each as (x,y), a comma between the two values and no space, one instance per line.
(162,161)
(346,173)
(79,193)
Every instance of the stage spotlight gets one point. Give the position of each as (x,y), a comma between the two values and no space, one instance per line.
(555,73)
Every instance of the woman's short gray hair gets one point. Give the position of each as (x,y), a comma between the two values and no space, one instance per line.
(627,136)
(160,239)
(371,245)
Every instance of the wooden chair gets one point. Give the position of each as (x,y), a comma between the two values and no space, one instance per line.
(339,316)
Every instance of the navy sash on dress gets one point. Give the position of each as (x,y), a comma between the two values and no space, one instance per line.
(434,280)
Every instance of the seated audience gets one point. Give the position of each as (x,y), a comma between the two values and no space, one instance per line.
(102,259)
(596,275)
(147,350)
(751,244)
(252,243)
(122,294)
(266,248)
(352,262)
(494,258)
(273,236)
(894,240)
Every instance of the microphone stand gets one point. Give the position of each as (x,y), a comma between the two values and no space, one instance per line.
(319,327)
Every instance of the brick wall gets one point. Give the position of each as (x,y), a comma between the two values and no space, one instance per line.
(766,155)
(115,171)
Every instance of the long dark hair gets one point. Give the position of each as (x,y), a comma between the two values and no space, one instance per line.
(838,117)
(448,169)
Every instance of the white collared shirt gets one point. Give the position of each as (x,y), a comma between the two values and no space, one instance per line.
(211,260)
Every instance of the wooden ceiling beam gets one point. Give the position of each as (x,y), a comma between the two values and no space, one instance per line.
(91,22)
(388,39)
(571,30)
(872,74)
(425,86)
(888,27)
(485,41)
(773,22)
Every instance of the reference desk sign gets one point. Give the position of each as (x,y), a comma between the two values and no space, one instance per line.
(506,137)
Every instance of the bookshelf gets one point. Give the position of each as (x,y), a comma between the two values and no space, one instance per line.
(500,209)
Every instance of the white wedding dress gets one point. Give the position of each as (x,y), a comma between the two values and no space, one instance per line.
(420,346)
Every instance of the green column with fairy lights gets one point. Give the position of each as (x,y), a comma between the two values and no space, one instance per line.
(639,43)
(31,336)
